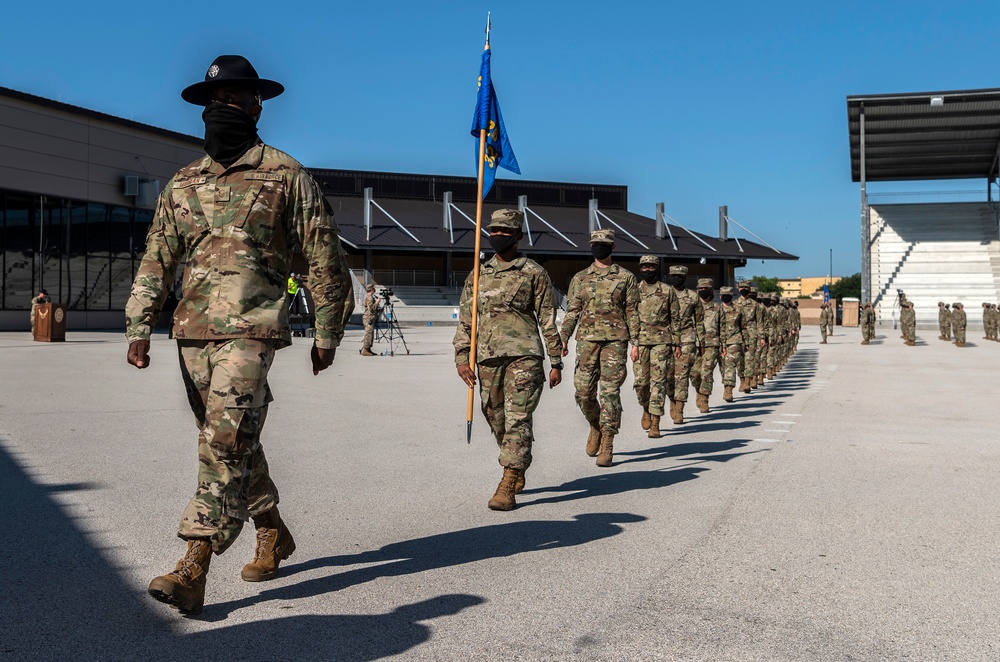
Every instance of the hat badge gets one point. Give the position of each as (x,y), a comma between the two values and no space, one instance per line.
(213,71)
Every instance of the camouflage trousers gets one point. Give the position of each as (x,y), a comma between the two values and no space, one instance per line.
(748,360)
(731,363)
(703,370)
(772,353)
(909,332)
(650,376)
(226,384)
(677,384)
(510,388)
(959,333)
(945,329)
(369,332)
(824,330)
(601,363)
(868,331)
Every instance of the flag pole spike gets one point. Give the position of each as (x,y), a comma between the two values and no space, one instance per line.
(468,432)
(488,26)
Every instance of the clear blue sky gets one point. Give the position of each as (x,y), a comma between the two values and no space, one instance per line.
(694,104)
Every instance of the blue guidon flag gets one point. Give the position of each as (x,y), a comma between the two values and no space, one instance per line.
(487,116)
(826,293)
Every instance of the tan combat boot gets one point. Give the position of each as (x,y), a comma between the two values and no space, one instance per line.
(679,412)
(959,344)
(702,402)
(519,483)
(367,352)
(744,385)
(274,545)
(654,427)
(607,449)
(727,394)
(184,588)
(770,372)
(645,419)
(503,499)
(593,440)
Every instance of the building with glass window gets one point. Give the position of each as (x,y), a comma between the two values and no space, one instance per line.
(78,189)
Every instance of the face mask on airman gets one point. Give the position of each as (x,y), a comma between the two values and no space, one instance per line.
(601,251)
(650,275)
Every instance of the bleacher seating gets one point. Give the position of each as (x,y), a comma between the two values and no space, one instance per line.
(935,252)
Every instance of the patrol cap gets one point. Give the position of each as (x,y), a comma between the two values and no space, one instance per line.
(506,218)
(705,283)
(649,259)
(370,287)
(603,236)
(743,284)
(754,290)
(678,270)
(958,304)
(233,70)
(942,303)
(725,290)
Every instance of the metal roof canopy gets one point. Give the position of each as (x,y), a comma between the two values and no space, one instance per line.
(910,137)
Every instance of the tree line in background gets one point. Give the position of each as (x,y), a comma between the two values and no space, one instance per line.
(843,288)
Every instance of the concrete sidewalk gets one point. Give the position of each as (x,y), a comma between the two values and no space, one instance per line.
(846,510)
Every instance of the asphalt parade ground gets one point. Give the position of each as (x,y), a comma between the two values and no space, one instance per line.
(845,511)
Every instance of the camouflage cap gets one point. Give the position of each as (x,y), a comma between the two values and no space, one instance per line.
(370,286)
(506,218)
(603,236)
(958,304)
(705,283)
(649,259)
(941,303)
(725,290)
(754,290)
(678,270)
(743,284)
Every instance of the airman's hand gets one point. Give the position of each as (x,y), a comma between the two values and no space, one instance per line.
(677,352)
(322,358)
(565,349)
(467,375)
(634,354)
(138,353)
(555,377)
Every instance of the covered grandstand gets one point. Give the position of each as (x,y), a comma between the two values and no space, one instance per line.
(932,251)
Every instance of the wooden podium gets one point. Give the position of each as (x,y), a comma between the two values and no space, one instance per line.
(50,322)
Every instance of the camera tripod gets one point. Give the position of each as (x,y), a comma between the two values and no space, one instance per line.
(387,326)
(299,317)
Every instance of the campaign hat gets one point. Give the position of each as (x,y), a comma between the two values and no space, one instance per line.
(233,70)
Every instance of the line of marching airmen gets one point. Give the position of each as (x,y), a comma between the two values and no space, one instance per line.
(677,338)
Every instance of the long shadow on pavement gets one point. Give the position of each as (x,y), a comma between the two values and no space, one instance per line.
(438,551)
(62,599)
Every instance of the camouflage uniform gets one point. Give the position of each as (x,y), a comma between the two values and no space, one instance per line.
(368,317)
(796,325)
(692,332)
(658,336)
(867,323)
(825,317)
(958,322)
(515,299)
(760,350)
(944,321)
(988,322)
(604,302)
(908,323)
(733,331)
(753,325)
(771,334)
(703,368)
(996,321)
(236,229)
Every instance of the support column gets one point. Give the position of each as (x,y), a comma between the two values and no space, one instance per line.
(661,227)
(368,214)
(724,235)
(866,231)
(592,214)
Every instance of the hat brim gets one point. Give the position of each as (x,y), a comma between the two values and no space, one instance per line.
(200,93)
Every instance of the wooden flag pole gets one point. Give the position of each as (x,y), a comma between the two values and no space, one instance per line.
(475,267)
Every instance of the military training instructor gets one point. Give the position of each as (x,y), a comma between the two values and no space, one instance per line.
(235,218)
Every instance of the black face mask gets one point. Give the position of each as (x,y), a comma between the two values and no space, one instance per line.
(745,294)
(677,280)
(649,275)
(601,251)
(501,243)
(229,132)
(727,298)
(705,295)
